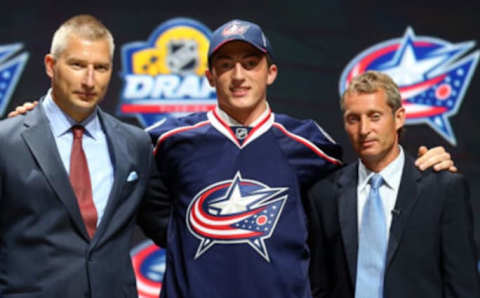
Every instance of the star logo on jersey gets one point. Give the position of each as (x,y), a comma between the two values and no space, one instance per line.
(432,74)
(10,71)
(236,211)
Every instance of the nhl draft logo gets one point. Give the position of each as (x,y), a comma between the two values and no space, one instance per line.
(10,71)
(432,74)
(149,265)
(234,212)
(166,74)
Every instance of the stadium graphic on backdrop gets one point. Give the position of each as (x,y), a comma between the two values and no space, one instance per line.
(433,76)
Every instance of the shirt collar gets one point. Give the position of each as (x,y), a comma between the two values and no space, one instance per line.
(391,174)
(232,122)
(61,123)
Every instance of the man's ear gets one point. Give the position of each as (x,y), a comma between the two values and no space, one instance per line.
(210,79)
(272,74)
(49,64)
(400,117)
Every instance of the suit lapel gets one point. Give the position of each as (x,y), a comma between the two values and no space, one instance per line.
(347,212)
(39,139)
(406,200)
(121,162)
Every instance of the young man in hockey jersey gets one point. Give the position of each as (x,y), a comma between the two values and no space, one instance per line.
(235,177)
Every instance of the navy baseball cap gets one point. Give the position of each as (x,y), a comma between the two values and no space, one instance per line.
(239,30)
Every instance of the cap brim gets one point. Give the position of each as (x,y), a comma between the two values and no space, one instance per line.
(238,38)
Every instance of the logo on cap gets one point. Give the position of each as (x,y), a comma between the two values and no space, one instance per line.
(235,29)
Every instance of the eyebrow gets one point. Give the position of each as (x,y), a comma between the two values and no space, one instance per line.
(75,59)
(368,112)
(248,55)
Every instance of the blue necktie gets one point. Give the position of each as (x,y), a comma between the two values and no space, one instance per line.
(372,247)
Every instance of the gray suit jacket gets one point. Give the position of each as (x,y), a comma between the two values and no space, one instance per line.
(430,251)
(45,250)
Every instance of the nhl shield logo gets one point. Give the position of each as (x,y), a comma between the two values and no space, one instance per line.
(433,76)
(182,56)
(235,211)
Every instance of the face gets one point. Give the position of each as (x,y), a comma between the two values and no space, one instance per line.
(240,74)
(372,128)
(80,76)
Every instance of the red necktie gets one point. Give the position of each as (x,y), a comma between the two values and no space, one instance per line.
(80,180)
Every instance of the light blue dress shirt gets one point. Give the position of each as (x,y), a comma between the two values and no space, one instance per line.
(95,147)
(392,176)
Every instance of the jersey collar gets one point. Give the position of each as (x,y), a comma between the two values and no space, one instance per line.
(222,122)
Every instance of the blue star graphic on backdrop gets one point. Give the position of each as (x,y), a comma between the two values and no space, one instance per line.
(432,79)
(10,71)
(432,74)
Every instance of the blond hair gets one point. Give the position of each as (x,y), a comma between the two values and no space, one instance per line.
(84,26)
(371,82)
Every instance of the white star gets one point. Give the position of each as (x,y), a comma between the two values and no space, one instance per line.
(234,202)
(410,70)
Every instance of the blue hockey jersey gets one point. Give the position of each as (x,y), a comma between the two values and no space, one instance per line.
(237,226)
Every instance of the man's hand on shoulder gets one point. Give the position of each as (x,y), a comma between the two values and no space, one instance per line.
(23,109)
(436,157)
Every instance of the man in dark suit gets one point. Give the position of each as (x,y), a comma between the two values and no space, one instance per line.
(380,227)
(71,179)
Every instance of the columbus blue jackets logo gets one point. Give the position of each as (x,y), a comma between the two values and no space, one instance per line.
(235,29)
(166,74)
(149,265)
(238,211)
(433,76)
(10,71)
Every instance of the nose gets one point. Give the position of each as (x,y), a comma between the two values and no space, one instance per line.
(89,78)
(238,73)
(364,126)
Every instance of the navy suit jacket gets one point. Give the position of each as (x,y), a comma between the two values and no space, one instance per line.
(430,249)
(45,250)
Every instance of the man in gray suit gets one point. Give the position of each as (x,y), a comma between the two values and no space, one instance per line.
(71,179)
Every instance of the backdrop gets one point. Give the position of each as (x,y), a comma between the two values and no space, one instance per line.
(429,47)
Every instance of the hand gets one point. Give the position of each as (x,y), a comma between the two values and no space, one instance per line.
(23,109)
(436,157)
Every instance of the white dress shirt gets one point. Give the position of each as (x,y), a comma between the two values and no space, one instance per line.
(392,175)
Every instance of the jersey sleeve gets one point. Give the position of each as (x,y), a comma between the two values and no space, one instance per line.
(156,208)
(311,152)
(153,216)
